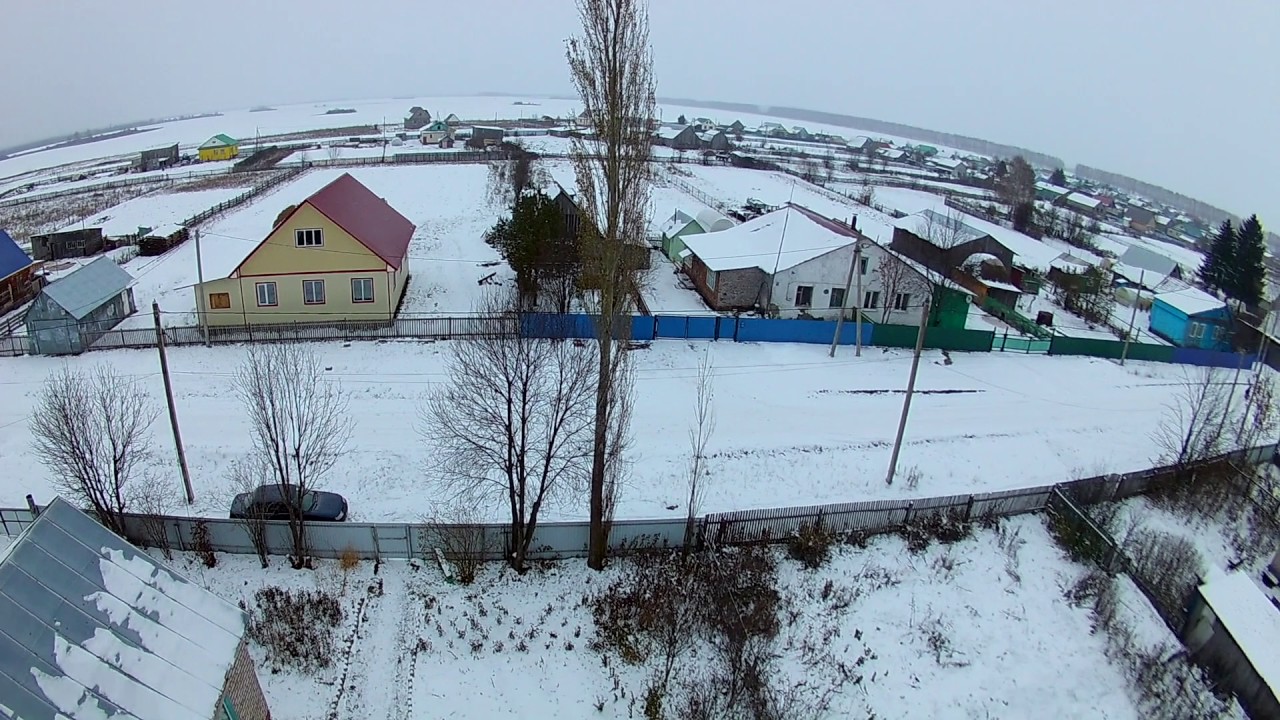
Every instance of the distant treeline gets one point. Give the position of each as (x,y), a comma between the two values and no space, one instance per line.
(1186,204)
(78,136)
(960,142)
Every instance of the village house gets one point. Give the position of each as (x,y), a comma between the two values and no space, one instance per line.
(67,244)
(92,627)
(1082,203)
(18,281)
(71,313)
(803,272)
(681,224)
(949,166)
(1192,318)
(679,137)
(772,129)
(1150,269)
(435,133)
(219,147)
(716,140)
(1140,219)
(340,255)
(736,127)
(418,118)
(1050,193)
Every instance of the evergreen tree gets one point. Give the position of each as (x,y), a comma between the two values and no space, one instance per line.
(1215,271)
(1059,178)
(681,120)
(1250,274)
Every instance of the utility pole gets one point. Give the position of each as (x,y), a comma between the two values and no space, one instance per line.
(857,306)
(1142,274)
(848,285)
(201,298)
(911,386)
(173,410)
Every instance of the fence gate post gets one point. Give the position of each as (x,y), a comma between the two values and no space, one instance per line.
(906,519)
(968,509)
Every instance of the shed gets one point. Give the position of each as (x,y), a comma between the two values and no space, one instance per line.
(69,314)
(679,137)
(485,135)
(1191,318)
(18,283)
(67,244)
(158,158)
(1234,630)
(219,147)
(1150,267)
(91,627)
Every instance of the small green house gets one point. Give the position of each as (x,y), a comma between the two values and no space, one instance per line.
(682,225)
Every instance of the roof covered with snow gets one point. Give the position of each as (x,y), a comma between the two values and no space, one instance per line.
(92,628)
(1250,618)
(1083,200)
(1138,258)
(86,289)
(787,237)
(1051,188)
(1190,301)
(949,163)
(670,133)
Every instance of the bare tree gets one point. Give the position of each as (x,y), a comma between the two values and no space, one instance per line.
(704,424)
(247,475)
(611,65)
(456,533)
(514,172)
(512,425)
(92,431)
(299,424)
(1258,420)
(944,231)
(897,277)
(1188,431)
(866,191)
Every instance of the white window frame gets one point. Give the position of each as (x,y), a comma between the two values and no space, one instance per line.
(1218,332)
(864,265)
(1196,331)
(355,297)
(270,290)
(308,237)
(797,296)
(902,301)
(832,303)
(314,300)
(871,300)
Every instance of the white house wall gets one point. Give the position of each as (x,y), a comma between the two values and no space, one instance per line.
(831,270)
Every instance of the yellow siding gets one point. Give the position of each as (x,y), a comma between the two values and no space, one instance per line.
(338,305)
(279,255)
(219,153)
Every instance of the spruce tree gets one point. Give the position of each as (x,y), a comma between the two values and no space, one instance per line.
(1250,273)
(1215,271)
(1059,177)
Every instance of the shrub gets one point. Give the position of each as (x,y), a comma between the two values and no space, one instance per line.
(349,559)
(945,527)
(295,627)
(811,545)
(200,539)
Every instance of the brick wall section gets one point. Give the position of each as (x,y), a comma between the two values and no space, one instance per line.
(243,689)
(740,288)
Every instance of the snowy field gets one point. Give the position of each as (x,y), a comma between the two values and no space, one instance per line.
(978,629)
(154,210)
(794,426)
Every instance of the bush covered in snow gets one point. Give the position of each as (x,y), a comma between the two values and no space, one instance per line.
(294,626)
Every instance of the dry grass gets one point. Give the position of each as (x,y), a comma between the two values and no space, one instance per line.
(349,559)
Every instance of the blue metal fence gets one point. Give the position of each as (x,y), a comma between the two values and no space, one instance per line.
(1212,358)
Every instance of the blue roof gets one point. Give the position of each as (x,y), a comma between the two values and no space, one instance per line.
(12,258)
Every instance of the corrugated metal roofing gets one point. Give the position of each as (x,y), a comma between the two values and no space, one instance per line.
(86,289)
(12,258)
(366,217)
(92,628)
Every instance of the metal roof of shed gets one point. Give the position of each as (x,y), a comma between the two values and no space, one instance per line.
(86,289)
(91,628)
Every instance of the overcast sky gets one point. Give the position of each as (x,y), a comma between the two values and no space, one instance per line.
(1185,94)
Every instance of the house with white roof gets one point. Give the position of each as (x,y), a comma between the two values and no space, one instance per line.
(795,263)
(1192,318)
(1080,202)
(92,627)
(949,166)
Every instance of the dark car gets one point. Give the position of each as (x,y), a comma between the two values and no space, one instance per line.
(268,502)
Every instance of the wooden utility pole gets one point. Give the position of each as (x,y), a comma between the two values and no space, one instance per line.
(201,297)
(848,285)
(911,386)
(173,410)
(857,305)
(1142,274)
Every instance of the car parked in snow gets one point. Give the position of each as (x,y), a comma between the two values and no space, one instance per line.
(269,502)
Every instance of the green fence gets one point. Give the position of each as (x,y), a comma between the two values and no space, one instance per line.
(1091,347)
(1004,343)
(1014,318)
(941,338)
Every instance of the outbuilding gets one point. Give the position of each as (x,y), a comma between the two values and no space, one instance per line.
(69,314)
(18,282)
(1192,318)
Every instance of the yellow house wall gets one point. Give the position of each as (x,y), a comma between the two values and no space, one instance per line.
(340,252)
(218,153)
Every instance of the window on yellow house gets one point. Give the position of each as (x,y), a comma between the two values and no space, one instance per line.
(220,301)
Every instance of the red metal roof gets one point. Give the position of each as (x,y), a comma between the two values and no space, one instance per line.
(366,217)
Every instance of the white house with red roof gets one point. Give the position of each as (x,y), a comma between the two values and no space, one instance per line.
(339,255)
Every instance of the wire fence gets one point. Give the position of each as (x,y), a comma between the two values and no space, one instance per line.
(569,539)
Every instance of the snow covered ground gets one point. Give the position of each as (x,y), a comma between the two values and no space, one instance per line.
(154,210)
(956,632)
(795,427)
(667,290)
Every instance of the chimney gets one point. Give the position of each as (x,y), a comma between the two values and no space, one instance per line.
(853,223)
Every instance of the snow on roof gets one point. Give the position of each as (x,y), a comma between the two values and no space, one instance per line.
(949,163)
(1190,301)
(90,627)
(1083,200)
(858,142)
(86,289)
(1253,622)
(997,285)
(892,154)
(934,278)
(1050,187)
(712,221)
(762,243)
(670,133)
(1027,251)
(1139,258)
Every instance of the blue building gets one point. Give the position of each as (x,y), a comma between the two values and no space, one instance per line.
(1192,318)
(71,313)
